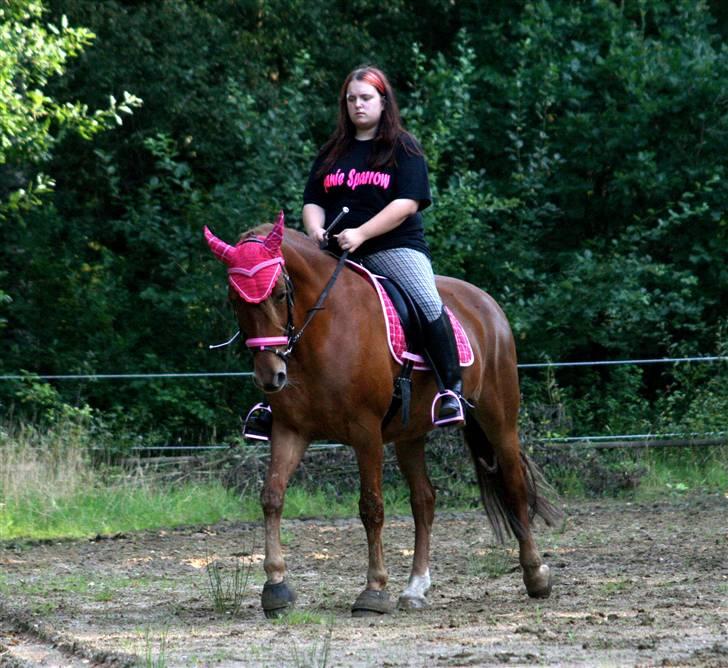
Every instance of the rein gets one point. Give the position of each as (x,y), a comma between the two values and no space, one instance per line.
(318,306)
(270,343)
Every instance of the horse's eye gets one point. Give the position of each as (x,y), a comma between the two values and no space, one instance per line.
(280,297)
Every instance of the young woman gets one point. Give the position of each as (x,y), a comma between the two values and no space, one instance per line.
(373,166)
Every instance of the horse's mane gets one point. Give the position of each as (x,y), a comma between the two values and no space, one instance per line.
(295,239)
(301,245)
(255,232)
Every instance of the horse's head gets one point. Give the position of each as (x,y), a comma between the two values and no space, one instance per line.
(261,297)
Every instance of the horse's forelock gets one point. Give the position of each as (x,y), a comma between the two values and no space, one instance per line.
(269,309)
(245,236)
(273,315)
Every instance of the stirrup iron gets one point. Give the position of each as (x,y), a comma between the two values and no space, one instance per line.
(258,423)
(457,417)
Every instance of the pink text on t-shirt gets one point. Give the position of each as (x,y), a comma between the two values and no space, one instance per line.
(356,179)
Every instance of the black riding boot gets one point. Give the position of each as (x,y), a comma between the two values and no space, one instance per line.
(443,354)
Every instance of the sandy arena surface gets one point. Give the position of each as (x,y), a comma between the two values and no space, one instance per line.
(635,585)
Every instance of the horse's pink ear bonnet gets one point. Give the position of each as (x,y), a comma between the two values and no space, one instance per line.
(254,264)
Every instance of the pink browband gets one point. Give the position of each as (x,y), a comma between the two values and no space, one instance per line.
(263,341)
(254,270)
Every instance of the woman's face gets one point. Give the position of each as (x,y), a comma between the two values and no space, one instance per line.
(365,105)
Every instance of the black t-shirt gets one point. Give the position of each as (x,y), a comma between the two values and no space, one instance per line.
(353,183)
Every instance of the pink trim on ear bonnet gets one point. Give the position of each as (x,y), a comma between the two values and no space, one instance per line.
(254,264)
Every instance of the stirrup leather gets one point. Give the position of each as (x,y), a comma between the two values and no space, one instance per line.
(258,423)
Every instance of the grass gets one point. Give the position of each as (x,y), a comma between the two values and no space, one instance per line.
(155,650)
(127,507)
(615,587)
(643,474)
(494,563)
(311,655)
(568,482)
(138,504)
(95,587)
(88,507)
(296,617)
(49,489)
(227,586)
(305,503)
(682,471)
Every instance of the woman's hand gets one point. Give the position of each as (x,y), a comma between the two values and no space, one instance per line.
(314,218)
(350,239)
(318,234)
(386,220)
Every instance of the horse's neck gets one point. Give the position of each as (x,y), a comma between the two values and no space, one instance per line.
(307,266)
(310,270)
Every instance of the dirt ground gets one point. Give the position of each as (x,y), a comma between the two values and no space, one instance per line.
(635,584)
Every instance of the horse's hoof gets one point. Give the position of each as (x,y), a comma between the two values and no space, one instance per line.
(538,582)
(371,603)
(277,599)
(410,603)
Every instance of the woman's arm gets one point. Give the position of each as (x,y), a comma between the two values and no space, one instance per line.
(387,219)
(314,219)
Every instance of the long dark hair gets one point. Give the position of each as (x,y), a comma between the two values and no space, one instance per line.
(390,131)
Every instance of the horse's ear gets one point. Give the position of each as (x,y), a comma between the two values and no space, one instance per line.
(222,251)
(275,237)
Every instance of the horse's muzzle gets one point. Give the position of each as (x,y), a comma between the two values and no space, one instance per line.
(273,384)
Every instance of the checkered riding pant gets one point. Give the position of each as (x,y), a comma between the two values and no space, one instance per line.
(413,271)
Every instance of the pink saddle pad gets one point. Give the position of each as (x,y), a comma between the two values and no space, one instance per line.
(395,331)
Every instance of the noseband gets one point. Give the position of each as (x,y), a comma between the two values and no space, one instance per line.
(270,344)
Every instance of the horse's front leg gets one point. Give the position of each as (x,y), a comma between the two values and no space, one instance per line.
(287,448)
(374,600)
(411,460)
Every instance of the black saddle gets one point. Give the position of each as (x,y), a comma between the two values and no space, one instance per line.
(411,319)
(408,312)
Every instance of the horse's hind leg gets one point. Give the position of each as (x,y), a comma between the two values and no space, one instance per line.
(536,574)
(411,459)
(506,491)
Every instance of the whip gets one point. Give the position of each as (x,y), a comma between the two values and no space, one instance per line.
(334,223)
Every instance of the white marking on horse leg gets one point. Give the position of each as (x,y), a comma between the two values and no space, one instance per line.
(418,585)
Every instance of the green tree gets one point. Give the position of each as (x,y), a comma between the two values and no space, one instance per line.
(576,153)
(31,121)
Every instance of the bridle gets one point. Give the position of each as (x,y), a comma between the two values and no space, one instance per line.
(272,344)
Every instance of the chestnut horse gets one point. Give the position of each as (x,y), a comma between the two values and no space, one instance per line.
(336,383)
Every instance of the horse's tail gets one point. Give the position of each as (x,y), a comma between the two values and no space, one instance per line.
(493,491)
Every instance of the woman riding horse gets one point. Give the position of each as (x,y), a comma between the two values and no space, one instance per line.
(328,373)
(377,170)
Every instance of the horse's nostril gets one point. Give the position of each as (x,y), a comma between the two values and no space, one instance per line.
(277,382)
